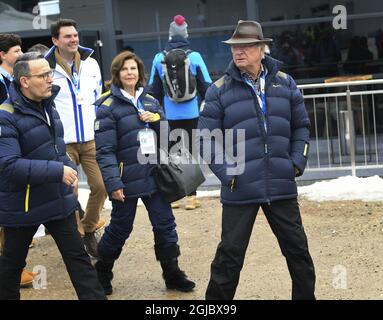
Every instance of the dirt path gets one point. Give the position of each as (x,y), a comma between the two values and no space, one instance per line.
(345,240)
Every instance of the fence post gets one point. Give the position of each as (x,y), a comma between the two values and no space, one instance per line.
(352,132)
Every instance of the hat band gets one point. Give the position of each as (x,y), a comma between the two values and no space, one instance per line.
(247,36)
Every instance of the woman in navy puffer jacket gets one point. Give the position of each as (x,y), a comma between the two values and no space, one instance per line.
(125,127)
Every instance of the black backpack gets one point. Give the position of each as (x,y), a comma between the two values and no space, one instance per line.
(178,81)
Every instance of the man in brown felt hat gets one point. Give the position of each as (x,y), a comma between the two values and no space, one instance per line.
(256,97)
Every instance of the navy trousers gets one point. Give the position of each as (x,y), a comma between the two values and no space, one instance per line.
(121,225)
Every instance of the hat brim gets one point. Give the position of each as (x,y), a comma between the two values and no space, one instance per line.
(247,41)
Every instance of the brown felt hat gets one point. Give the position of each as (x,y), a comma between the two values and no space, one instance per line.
(247,31)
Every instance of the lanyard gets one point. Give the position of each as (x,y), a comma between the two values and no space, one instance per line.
(4,84)
(75,79)
(260,96)
(141,109)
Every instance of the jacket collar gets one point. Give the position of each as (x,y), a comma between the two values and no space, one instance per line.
(272,65)
(116,92)
(177,42)
(84,52)
(22,104)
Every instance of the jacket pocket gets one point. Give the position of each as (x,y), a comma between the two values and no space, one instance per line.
(26,204)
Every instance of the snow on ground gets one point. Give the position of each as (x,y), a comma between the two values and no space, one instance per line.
(343,188)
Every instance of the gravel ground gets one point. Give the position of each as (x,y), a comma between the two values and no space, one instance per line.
(344,241)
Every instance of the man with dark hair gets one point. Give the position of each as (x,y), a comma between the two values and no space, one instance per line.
(79,78)
(256,98)
(10,50)
(37,180)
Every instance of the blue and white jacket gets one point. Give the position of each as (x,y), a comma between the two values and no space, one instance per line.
(183,110)
(77,117)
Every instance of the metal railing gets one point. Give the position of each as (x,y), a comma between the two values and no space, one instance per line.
(346,128)
(347,125)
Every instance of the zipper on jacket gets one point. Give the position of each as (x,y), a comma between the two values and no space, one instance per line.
(264,137)
(121,166)
(27,198)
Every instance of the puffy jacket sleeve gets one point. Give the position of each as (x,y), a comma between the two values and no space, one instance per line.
(300,129)
(106,147)
(210,120)
(68,161)
(64,156)
(20,171)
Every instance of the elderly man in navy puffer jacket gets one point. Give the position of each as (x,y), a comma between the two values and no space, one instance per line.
(263,102)
(37,179)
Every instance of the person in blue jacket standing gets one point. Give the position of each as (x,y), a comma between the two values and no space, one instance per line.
(126,127)
(263,102)
(37,180)
(181,115)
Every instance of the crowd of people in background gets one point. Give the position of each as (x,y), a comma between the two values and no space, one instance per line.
(318,52)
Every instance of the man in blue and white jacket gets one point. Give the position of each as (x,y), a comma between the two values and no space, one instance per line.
(181,115)
(264,103)
(79,78)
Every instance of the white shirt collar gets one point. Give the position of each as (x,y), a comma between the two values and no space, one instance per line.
(6,74)
(130,97)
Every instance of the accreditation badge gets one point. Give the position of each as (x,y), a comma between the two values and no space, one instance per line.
(79,98)
(147,141)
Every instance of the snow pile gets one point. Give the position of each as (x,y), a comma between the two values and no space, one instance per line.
(345,188)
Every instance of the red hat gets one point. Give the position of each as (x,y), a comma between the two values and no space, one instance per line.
(179,19)
(178,27)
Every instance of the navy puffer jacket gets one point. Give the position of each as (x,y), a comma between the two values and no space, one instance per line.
(271,157)
(32,158)
(116,133)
